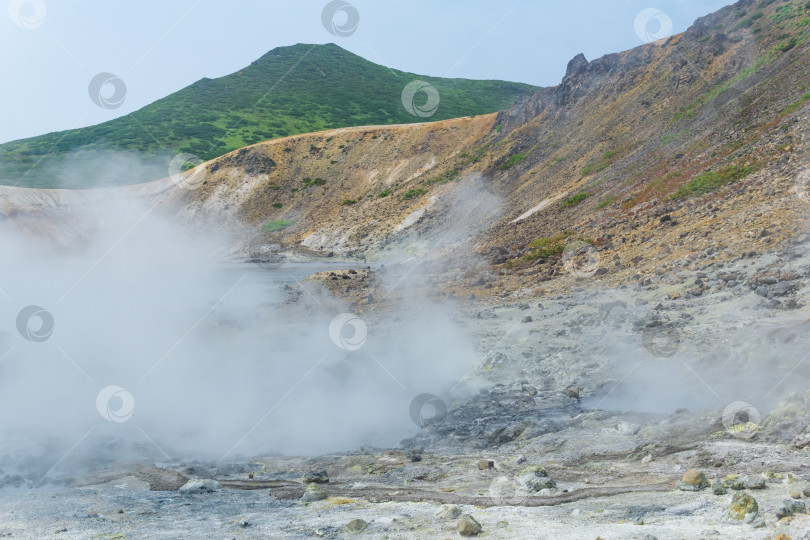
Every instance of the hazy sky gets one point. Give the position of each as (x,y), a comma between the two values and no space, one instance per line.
(158,47)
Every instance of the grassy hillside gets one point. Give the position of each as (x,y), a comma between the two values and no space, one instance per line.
(289,90)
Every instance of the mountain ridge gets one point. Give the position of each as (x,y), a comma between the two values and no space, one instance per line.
(289,90)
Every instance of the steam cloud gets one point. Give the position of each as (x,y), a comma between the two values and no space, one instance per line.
(160,350)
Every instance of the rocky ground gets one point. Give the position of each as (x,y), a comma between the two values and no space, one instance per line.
(674,407)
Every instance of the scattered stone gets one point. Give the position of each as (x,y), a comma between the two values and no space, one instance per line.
(314,492)
(207,485)
(790,508)
(244,523)
(743,508)
(782,536)
(486,464)
(806,492)
(572,392)
(756,482)
(795,494)
(718,488)
(646,459)
(467,526)
(535,478)
(531,390)
(317,477)
(527,319)
(448,511)
(628,429)
(356,526)
(734,481)
(693,480)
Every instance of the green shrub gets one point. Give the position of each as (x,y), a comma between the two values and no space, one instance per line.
(275,226)
(576,199)
(712,180)
(610,199)
(513,160)
(745,23)
(543,248)
(385,193)
(277,205)
(309,182)
(413,193)
(793,106)
(347,202)
(787,45)
(599,165)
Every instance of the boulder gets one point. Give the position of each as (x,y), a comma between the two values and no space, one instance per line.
(693,480)
(317,477)
(467,526)
(314,492)
(356,526)
(743,508)
(207,485)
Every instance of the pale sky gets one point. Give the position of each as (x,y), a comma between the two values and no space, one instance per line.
(157,47)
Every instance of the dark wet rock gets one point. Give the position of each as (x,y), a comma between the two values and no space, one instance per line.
(718,488)
(535,478)
(318,477)
(782,288)
(791,507)
(506,434)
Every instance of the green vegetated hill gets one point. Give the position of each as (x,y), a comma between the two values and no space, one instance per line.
(289,90)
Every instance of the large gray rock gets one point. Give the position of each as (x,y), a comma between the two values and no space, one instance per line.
(206,485)
(317,477)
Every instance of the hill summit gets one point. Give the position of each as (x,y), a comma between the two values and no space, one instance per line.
(290,90)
